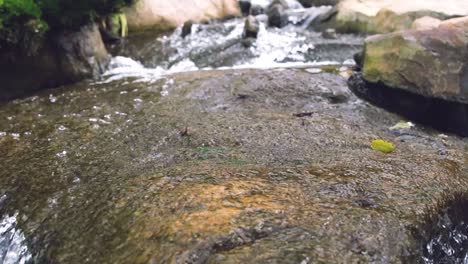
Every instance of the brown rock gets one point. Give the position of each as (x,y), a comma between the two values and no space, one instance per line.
(164,15)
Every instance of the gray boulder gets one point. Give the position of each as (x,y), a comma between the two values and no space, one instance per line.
(66,57)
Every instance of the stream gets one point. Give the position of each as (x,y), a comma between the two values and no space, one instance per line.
(201,150)
(218,45)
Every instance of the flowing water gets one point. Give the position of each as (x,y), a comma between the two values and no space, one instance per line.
(200,150)
(218,45)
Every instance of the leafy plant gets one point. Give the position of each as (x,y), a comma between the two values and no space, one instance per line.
(73,13)
(18,9)
(24,22)
(58,13)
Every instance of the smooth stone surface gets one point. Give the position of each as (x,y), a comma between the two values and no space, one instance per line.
(165,15)
(425,23)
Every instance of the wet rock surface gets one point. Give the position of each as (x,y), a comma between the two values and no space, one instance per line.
(238,166)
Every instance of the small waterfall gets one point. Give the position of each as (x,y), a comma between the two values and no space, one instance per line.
(218,45)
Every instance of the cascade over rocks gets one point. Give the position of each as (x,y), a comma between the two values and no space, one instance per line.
(64,58)
(164,15)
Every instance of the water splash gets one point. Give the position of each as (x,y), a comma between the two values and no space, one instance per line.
(12,242)
(449,245)
(219,45)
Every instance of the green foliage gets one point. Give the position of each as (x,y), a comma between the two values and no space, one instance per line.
(117,24)
(24,23)
(73,13)
(21,8)
(58,13)
(18,9)
(382,146)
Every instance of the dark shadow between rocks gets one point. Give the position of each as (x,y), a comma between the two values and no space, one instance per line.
(446,116)
(443,233)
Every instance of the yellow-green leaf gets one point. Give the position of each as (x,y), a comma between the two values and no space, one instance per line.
(382,146)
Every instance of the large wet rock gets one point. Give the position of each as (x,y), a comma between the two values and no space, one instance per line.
(432,63)
(383,16)
(241,166)
(64,57)
(164,15)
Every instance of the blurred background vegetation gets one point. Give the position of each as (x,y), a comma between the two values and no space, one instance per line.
(22,21)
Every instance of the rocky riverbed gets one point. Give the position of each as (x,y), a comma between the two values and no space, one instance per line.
(252,166)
